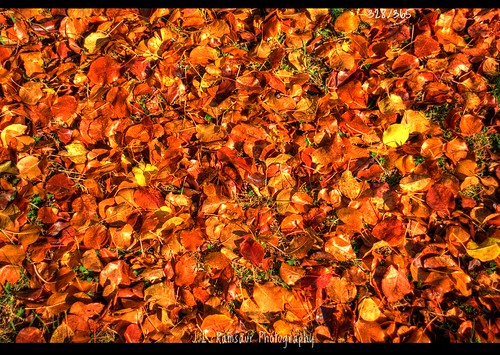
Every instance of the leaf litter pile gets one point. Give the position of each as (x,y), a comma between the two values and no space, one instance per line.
(208,175)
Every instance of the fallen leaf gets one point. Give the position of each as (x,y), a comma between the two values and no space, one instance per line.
(252,250)
(485,251)
(396,134)
(395,284)
(215,324)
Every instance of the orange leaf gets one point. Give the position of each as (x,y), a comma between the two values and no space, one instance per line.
(28,168)
(104,71)
(30,335)
(353,94)
(470,125)
(9,273)
(185,270)
(162,293)
(291,274)
(148,198)
(132,334)
(216,324)
(12,254)
(65,108)
(390,230)
(395,284)
(348,22)
(117,272)
(269,297)
(405,62)
(426,46)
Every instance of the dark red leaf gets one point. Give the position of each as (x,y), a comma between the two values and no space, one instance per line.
(252,250)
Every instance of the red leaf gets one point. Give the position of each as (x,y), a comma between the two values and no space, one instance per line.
(251,250)
(133,334)
(141,68)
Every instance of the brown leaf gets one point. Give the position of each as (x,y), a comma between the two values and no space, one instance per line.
(60,186)
(339,290)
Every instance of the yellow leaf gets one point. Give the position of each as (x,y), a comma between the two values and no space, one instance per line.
(142,173)
(486,251)
(396,134)
(171,223)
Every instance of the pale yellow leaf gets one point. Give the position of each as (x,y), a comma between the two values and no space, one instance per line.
(349,186)
(94,41)
(368,310)
(76,152)
(486,251)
